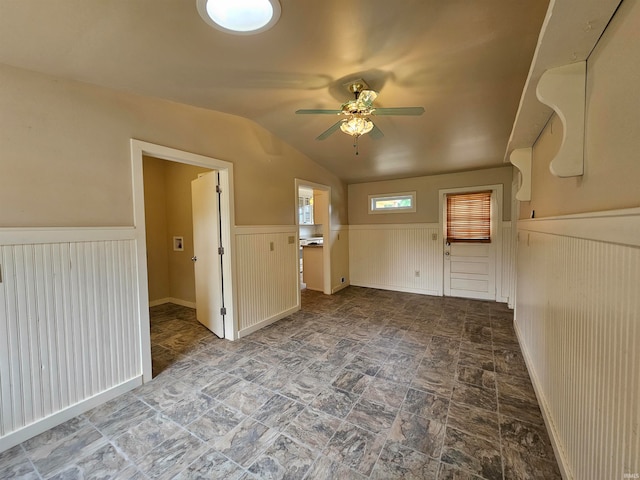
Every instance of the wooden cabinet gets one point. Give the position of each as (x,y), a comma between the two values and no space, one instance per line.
(313,268)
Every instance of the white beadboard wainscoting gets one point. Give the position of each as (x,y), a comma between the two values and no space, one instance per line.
(267,271)
(69,325)
(578,323)
(388,257)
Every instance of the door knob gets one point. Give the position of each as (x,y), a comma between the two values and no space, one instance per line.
(194,258)
(447,253)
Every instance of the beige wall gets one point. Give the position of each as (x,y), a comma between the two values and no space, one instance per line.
(611,177)
(426,188)
(168,214)
(65,154)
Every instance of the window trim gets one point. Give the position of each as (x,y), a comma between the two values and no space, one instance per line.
(392,196)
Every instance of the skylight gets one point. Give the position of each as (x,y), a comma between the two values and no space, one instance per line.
(240,17)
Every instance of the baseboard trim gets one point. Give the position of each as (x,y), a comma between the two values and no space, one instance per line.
(561,458)
(253,328)
(337,288)
(25,433)
(177,301)
(395,288)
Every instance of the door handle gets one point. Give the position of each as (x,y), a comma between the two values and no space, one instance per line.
(447,254)
(194,259)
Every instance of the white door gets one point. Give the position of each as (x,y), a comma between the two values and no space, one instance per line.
(207,262)
(470,267)
(470,270)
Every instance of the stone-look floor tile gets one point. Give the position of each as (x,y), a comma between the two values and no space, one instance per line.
(510,362)
(302,388)
(449,472)
(520,465)
(426,405)
(473,454)
(385,392)
(525,410)
(245,397)
(65,429)
(129,473)
(270,356)
(245,442)
(481,349)
(418,433)
(283,459)
(295,362)
(371,416)
(474,421)
(143,437)
(203,376)
(52,457)
(435,380)
(278,412)
(249,369)
(354,447)
(335,402)
(473,396)
(211,465)
(321,371)
(15,464)
(166,395)
(375,353)
(476,376)
(399,462)
(530,438)
(511,386)
(172,455)
(216,423)
(476,360)
(352,381)
(313,428)
(274,379)
(103,463)
(187,410)
(366,365)
(395,373)
(326,469)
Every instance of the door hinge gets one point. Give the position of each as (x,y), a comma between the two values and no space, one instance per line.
(220,250)
(223,311)
(218,189)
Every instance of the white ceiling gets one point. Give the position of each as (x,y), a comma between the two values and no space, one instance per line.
(464,61)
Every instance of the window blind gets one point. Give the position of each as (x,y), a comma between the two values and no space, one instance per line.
(469,217)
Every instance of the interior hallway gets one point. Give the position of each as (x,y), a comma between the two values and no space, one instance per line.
(361,384)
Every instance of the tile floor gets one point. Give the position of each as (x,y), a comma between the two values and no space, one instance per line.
(362,384)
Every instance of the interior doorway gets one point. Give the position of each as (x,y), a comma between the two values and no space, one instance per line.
(224,170)
(313,218)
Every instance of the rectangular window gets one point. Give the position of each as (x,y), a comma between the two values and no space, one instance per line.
(393,203)
(469,217)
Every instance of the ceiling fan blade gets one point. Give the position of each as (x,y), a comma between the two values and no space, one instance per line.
(399,111)
(376,133)
(318,112)
(329,131)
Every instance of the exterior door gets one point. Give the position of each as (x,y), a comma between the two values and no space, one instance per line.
(206,259)
(470,267)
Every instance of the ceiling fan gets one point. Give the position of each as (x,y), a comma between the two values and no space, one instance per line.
(356,114)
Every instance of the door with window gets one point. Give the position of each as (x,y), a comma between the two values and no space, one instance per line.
(471,220)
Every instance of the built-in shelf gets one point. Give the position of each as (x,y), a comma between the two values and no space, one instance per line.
(569,33)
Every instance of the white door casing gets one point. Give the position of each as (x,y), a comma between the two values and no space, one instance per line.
(470,269)
(206,259)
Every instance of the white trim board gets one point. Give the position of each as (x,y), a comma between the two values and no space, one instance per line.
(176,301)
(268,321)
(613,226)
(30,236)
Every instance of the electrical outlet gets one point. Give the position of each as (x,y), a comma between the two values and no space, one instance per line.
(291,239)
(434,236)
(342,280)
(417,273)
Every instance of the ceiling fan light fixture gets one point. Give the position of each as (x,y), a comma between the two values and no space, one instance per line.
(240,17)
(356,126)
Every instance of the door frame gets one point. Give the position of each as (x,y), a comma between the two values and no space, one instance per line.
(225,169)
(326,234)
(497,213)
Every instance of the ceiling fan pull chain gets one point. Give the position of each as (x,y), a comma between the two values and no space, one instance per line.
(355,143)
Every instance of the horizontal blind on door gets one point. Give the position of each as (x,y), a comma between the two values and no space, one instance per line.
(469,217)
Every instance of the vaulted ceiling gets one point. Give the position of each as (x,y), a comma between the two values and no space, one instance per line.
(465,62)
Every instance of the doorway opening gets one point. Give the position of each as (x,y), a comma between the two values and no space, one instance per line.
(313,219)
(472,241)
(224,178)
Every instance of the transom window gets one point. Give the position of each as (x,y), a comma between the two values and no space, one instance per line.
(393,203)
(469,217)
